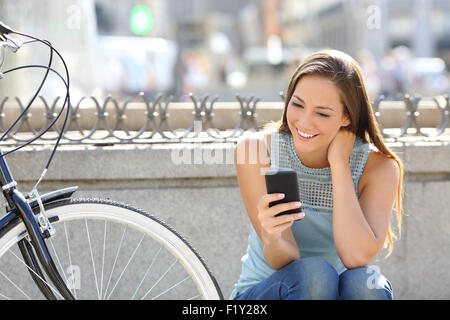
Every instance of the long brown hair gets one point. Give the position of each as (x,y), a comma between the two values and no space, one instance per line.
(346,74)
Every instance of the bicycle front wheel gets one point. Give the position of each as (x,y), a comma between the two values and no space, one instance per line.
(109,250)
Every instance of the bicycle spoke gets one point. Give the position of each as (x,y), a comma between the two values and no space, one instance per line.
(92,258)
(5,297)
(174,286)
(103,260)
(115,260)
(146,272)
(57,259)
(123,271)
(70,257)
(14,284)
(43,280)
(171,266)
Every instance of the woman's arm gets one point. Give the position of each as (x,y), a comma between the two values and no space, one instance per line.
(275,234)
(360,226)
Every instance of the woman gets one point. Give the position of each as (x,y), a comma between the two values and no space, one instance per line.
(348,180)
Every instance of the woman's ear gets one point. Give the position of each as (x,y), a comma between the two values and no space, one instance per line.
(345,121)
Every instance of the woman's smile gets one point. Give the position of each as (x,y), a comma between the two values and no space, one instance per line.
(305,136)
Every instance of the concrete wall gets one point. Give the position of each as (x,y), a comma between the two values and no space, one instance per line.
(202,201)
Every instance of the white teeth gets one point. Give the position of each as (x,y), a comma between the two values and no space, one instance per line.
(305,134)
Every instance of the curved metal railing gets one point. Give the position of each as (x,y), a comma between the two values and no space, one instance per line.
(156,126)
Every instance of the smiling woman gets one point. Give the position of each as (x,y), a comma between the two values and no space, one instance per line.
(315,118)
(348,180)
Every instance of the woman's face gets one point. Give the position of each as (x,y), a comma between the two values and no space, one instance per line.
(315,114)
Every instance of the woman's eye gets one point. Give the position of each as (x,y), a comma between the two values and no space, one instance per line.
(320,114)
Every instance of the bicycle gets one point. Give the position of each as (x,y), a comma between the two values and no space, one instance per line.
(85,259)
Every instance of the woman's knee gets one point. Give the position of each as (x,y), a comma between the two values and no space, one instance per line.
(315,278)
(310,266)
(364,283)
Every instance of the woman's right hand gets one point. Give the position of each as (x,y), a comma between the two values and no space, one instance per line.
(272,227)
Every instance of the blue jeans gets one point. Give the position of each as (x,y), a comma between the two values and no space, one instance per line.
(316,279)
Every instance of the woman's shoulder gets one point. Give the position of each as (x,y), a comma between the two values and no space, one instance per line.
(379,166)
(378,161)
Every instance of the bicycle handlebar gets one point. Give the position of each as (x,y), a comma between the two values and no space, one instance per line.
(4,29)
(13,45)
(7,42)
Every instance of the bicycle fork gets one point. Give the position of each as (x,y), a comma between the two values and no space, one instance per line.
(18,203)
(39,245)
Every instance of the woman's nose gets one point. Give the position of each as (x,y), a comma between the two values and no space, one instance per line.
(304,122)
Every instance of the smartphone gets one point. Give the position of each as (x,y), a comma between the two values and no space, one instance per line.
(283,181)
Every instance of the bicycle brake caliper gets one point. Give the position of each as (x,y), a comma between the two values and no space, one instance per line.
(45,226)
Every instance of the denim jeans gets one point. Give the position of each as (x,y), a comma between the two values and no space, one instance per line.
(316,279)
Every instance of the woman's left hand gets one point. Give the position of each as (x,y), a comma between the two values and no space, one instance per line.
(341,147)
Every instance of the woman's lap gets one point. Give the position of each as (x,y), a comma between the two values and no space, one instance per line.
(316,279)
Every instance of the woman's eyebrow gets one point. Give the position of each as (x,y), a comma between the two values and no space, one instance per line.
(318,107)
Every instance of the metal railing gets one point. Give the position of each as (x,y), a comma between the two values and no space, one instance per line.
(412,111)
(156,129)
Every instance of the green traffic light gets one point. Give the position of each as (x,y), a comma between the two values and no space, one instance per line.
(141,20)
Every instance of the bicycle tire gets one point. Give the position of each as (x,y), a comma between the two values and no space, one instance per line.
(122,221)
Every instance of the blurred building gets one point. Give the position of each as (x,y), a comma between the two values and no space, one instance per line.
(249,47)
(377,25)
(404,42)
(205,32)
(70,26)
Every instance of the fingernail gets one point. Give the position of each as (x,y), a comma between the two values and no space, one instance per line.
(297,204)
(301,214)
(280,195)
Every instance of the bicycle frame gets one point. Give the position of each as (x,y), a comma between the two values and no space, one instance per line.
(20,208)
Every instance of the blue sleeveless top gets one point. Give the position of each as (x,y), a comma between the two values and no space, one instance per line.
(313,233)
